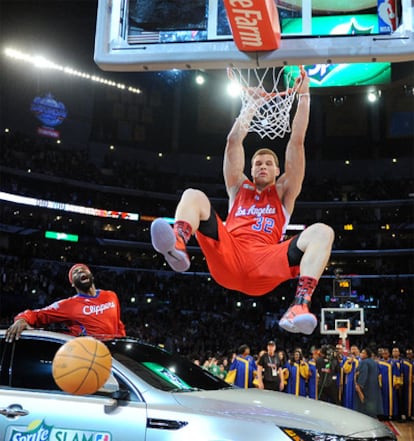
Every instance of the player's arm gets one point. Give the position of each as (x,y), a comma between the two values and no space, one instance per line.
(233,162)
(36,318)
(16,329)
(234,155)
(290,183)
(24,320)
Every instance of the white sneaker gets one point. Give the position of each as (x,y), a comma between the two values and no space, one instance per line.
(288,325)
(169,245)
(298,319)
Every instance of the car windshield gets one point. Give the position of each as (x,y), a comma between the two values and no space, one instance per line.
(165,371)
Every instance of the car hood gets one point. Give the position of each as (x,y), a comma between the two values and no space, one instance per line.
(283,409)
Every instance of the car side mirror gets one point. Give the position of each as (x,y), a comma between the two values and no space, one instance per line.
(119,395)
(110,386)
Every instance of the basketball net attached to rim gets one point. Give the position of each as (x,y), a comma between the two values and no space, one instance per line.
(262,92)
(342,327)
(343,334)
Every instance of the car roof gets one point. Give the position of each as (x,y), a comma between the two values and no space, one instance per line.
(60,336)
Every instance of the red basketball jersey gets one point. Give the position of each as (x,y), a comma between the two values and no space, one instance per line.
(249,255)
(258,217)
(97,316)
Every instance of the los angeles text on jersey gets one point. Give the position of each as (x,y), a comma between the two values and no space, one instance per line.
(255,211)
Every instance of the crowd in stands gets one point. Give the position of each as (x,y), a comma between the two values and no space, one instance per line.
(112,241)
(191,314)
(46,157)
(70,176)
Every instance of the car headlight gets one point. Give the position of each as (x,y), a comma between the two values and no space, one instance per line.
(309,435)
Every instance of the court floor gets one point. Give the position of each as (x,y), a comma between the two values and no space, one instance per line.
(404,431)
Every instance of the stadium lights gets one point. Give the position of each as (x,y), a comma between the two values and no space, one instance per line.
(200,80)
(373,95)
(338,100)
(42,63)
(61,236)
(233,89)
(408,90)
(66,207)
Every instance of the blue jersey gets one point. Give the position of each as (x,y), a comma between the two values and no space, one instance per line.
(313,380)
(349,368)
(389,398)
(408,387)
(298,376)
(245,368)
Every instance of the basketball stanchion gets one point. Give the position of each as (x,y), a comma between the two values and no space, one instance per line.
(265,93)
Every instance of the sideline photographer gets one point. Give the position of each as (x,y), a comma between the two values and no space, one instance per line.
(328,369)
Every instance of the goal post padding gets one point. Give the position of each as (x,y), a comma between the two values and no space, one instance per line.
(254,24)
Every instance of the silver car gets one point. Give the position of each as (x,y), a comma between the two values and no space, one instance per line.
(153,395)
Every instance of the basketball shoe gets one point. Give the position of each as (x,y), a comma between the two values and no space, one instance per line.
(298,319)
(170,245)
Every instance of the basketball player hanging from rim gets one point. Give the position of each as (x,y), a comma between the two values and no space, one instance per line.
(246,253)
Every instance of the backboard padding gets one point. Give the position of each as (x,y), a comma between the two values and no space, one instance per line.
(121,45)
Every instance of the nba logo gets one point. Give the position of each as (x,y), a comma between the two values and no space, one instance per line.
(102,437)
(387,16)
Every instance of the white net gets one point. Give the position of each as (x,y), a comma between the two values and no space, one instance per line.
(343,333)
(265,95)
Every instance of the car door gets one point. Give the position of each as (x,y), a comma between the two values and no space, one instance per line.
(33,407)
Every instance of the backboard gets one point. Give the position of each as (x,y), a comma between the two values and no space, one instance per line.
(333,319)
(140,35)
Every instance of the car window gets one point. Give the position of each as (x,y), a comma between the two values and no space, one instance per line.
(32,367)
(32,364)
(161,369)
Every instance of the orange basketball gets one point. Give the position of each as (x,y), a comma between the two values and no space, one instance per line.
(82,365)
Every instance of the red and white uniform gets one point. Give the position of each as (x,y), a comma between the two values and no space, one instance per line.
(97,316)
(250,256)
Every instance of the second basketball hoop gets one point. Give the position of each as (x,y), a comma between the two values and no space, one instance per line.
(267,94)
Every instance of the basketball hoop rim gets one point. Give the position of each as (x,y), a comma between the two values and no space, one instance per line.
(343,332)
(266,99)
(266,95)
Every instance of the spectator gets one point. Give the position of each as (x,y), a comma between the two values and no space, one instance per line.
(328,371)
(368,398)
(388,391)
(298,374)
(350,367)
(408,372)
(269,369)
(243,369)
